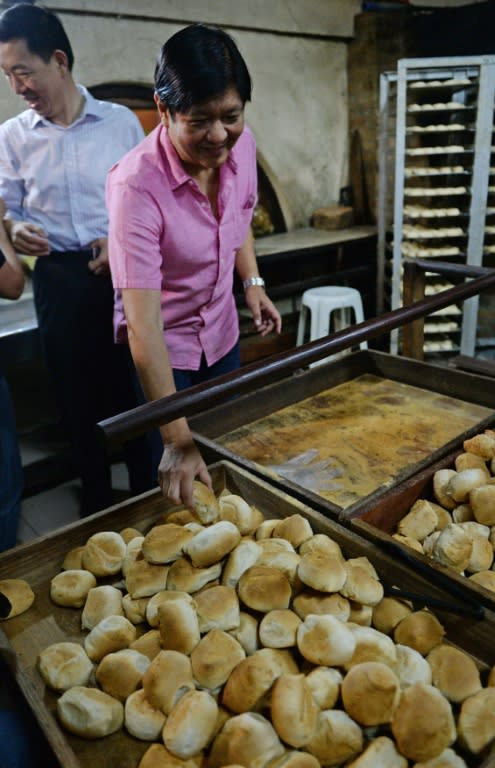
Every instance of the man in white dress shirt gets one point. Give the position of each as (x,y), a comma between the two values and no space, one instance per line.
(54,159)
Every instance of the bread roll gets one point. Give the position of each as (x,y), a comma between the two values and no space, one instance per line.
(248,739)
(247,633)
(324,683)
(165,543)
(168,677)
(212,544)
(264,589)
(120,674)
(453,547)
(380,753)
(294,712)
(104,553)
(251,679)
(454,673)
(150,644)
(16,597)
(278,629)
(135,610)
(411,667)
(423,724)
(462,514)
(360,614)
(470,461)
(265,529)
(446,759)
(482,445)
(318,603)
(181,516)
(144,579)
(73,559)
(482,502)
(388,612)
(286,562)
(190,725)
(157,756)
(133,551)
(214,658)
(371,645)
(183,576)
(324,640)
(481,557)
(485,579)
(420,630)
(362,584)
(141,720)
(111,634)
(240,559)
(235,509)
(441,480)
(217,608)
(420,520)
(64,665)
(462,483)
(295,528)
(430,542)
(476,722)
(409,542)
(130,533)
(89,712)
(370,693)
(322,572)
(101,602)
(205,504)
(275,544)
(337,738)
(178,622)
(320,542)
(153,604)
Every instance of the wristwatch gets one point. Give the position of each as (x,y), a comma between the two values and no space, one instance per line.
(253,281)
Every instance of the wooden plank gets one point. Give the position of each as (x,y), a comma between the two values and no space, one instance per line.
(25,635)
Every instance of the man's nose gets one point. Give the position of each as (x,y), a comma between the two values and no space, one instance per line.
(217,132)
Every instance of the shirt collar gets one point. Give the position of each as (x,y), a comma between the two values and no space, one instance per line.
(177,171)
(92,110)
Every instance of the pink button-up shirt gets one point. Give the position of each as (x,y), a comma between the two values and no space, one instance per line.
(163,236)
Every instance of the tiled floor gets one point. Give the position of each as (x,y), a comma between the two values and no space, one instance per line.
(54,508)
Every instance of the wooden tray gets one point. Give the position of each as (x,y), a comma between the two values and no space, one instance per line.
(25,636)
(378,520)
(376,418)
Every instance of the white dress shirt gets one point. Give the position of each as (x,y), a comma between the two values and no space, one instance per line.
(54,175)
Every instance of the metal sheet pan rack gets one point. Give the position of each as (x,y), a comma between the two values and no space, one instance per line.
(436,186)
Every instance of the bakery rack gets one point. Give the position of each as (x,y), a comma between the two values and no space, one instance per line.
(436,184)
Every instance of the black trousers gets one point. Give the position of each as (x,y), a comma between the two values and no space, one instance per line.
(93,378)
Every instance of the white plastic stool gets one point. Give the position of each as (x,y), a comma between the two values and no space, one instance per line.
(321,302)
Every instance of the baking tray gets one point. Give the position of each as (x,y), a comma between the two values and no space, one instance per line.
(373,417)
(378,520)
(23,637)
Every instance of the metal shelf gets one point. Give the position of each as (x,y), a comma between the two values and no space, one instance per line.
(436,171)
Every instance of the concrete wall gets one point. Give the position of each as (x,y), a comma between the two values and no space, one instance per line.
(296,52)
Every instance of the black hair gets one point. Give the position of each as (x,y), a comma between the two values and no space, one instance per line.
(40,28)
(197,64)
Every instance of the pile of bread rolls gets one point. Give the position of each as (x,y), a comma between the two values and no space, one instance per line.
(458,528)
(231,639)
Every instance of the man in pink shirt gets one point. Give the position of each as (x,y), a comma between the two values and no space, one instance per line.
(180,207)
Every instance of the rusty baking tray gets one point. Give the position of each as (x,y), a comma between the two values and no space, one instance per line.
(344,432)
(23,637)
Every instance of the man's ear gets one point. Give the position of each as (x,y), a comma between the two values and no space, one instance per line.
(162,110)
(61,59)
